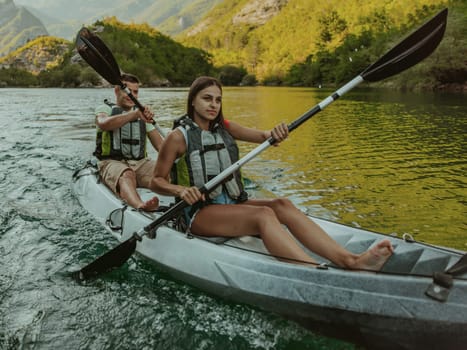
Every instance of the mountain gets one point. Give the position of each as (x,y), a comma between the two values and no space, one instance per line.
(177,18)
(267,37)
(291,42)
(37,55)
(154,57)
(63,19)
(17,26)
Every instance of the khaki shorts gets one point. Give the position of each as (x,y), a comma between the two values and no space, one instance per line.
(111,170)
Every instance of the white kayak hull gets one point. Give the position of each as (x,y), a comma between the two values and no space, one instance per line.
(382,310)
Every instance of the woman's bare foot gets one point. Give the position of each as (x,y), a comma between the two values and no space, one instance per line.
(150,205)
(374,258)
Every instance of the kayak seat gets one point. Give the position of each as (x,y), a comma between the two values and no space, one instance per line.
(215,240)
(219,239)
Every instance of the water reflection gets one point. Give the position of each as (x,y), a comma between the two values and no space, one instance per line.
(391,162)
(383,160)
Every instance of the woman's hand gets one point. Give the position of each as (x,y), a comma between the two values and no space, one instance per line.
(191,195)
(280,133)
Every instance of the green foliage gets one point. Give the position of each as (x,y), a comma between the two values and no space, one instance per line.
(152,56)
(356,52)
(272,80)
(447,66)
(308,42)
(38,54)
(231,75)
(338,66)
(89,77)
(249,80)
(140,49)
(330,25)
(14,77)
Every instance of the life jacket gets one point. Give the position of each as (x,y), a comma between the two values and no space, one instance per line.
(208,154)
(127,142)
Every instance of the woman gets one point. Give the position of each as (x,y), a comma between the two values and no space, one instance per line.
(201,147)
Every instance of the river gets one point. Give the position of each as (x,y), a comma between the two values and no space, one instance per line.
(385,161)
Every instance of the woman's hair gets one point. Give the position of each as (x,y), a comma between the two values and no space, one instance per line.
(199,84)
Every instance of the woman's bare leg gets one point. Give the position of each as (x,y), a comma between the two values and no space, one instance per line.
(240,220)
(314,238)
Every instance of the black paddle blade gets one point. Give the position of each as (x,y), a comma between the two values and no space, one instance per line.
(93,50)
(417,46)
(110,260)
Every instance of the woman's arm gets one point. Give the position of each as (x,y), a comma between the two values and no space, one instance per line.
(242,133)
(172,148)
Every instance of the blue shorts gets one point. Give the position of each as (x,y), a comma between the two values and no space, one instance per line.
(190,215)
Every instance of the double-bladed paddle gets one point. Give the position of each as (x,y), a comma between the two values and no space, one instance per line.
(414,48)
(94,51)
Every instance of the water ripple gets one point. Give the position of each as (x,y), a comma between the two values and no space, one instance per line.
(392,163)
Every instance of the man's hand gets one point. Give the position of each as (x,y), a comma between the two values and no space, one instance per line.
(146,115)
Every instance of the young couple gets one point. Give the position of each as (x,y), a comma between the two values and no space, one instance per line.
(200,148)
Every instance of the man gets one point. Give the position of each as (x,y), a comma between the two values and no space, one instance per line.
(121,146)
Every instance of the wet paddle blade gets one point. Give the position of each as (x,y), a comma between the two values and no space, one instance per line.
(110,260)
(417,46)
(94,51)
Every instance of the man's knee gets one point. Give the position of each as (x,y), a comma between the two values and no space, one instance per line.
(128,174)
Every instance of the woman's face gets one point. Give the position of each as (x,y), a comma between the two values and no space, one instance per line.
(207,103)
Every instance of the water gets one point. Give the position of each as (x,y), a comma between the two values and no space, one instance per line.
(389,162)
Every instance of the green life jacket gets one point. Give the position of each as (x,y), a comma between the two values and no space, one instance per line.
(127,142)
(208,154)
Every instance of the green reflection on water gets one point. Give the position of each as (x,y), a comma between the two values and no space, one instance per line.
(387,161)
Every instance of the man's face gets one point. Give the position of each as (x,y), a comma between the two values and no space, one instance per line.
(122,98)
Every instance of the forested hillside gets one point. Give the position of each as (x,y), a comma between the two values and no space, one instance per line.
(281,42)
(138,48)
(311,42)
(153,56)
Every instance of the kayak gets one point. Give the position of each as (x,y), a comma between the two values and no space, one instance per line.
(417,301)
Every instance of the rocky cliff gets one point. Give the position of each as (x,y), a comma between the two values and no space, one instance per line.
(254,13)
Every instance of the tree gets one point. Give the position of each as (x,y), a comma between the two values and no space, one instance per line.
(231,75)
